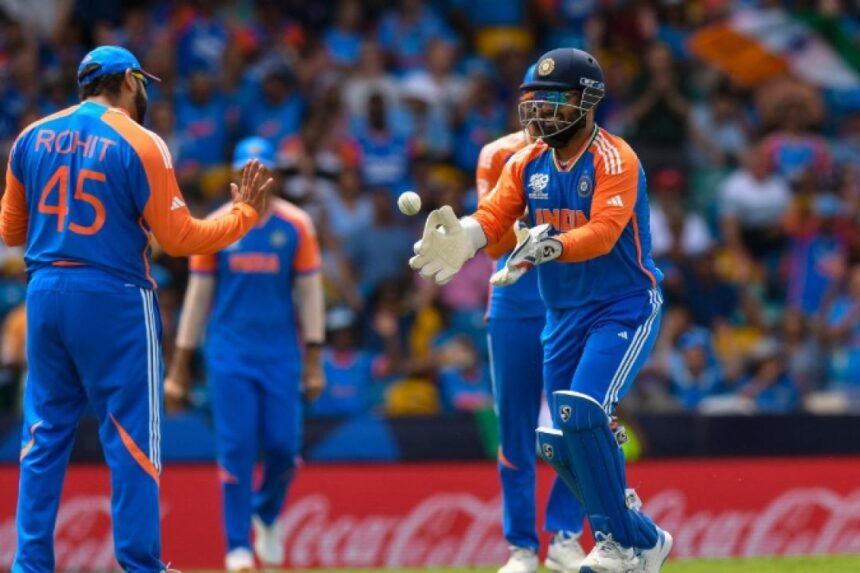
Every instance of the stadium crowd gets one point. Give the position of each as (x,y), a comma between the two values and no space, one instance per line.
(755,189)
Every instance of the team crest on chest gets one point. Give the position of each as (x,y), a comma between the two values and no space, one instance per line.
(278,239)
(537,186)
(585,186)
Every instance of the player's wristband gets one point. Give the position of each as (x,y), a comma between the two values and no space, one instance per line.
(313,344)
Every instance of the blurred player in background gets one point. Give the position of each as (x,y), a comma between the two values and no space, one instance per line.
(516,318)
(586,198)
(259,356)
(85,189)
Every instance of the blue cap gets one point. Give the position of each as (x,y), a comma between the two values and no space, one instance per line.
(530,74)
(694,338)
(252,148)
(106,60)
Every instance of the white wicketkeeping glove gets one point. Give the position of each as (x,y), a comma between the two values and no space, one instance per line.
(534,246)
(446,245)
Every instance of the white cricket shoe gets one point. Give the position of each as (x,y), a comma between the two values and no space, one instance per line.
(565,554)
(609,556)
(268,543)
(522,560)
(240,559)
(654,558)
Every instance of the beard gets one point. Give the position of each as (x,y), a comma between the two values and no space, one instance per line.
(561,138)
(140,104)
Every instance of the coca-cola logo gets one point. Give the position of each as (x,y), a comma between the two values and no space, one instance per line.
(800,521)
(444,529)
(461,529)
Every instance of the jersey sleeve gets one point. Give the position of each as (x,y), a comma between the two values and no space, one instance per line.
(616,188)
(203,264)
(165,211)
(14,217)
(505,203)
(307,258)
(491,161)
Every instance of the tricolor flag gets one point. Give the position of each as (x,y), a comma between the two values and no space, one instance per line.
(753,46)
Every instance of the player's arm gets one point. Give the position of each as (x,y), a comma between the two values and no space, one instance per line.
(490,164)
(615,196)
(14,218)
(180,234)
(308,293)
(195,309)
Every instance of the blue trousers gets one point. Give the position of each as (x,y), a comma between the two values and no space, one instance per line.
(91,339)
(257,406)
(516,361)
(599,353)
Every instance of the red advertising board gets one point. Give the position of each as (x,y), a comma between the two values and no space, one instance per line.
(449,514)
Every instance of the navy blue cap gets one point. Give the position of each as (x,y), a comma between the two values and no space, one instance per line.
(106,60)
(252,148)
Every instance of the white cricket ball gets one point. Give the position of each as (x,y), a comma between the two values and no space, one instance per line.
(409,203)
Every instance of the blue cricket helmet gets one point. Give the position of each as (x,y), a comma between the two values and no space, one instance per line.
(565,69)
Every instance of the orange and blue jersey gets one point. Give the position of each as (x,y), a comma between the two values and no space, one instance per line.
(521,299)
(254,285)
(88,186)
(597,206)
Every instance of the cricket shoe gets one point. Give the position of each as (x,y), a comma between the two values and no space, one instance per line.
(609,556)
(565,554)
(240,559)
(268,543)
(522,560)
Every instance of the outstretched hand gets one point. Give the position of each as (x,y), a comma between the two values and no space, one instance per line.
(254,187)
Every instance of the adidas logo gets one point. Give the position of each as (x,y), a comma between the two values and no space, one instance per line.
(177,203)
(616,201)
(623,334)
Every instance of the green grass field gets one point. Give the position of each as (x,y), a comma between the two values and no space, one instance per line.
(829,564)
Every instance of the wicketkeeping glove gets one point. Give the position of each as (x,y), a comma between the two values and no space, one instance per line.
(446,245)
(534,246)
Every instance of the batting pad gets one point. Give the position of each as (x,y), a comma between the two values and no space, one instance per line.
(552,449)
(598,464)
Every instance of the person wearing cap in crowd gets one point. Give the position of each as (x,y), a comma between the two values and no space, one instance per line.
(263,352)
(86,189)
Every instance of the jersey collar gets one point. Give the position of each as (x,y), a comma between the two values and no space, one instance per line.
(569,165)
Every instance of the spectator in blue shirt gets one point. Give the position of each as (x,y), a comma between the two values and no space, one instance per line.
(350,371)
(817,256)
(404,33)
(768,384)
(843,332)
(694,371)
(204,39)
(482,119)
(384,150)
(379,252)
(200,124)
(343,39)
(277,113)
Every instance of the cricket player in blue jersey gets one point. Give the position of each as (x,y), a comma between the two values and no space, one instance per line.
(263,347)
(586,196)
(86,188)
(516,317)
